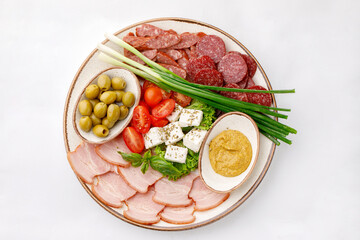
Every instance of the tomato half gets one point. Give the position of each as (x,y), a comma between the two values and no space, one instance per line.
(164,108)
(158,122)
(181,99)
(144,104)
(133,140)
(148,84)
(153,96)
(141,119)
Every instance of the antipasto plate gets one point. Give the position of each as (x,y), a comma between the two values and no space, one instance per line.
(99,186)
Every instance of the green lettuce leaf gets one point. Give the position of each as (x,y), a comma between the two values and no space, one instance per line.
(208,114)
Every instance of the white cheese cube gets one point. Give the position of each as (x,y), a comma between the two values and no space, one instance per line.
(190,117)
(194,139)
(154,137)
(172,133)
(176,154)
(174,116)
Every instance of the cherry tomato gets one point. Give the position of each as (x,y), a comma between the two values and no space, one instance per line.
(133,140)
(164,108)
(153,96)
(148,84)
(141,119)
(144,104)
(181,99)
(158,122)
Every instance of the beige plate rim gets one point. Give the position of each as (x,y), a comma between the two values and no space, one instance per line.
(175,228)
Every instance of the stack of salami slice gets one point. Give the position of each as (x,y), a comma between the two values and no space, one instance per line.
(199,58)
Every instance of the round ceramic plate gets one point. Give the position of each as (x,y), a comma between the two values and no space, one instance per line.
(93,66)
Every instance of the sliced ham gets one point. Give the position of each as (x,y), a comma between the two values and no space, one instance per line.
(142,209)
(86,163)
(178,215)
(112,189)
(109,151)
(174,193)
(205,198)
(138,180)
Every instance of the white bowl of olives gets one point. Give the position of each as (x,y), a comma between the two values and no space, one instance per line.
(105,106)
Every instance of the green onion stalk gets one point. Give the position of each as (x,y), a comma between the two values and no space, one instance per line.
(162,77)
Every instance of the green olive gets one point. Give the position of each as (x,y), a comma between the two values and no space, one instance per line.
(128,99)
(93,102)
(108,97)
(124,111)
(85,123)
(100,110)
(85,107)
(113,112)
(109,124)
(100,130)
(95,120)
(92,91)
(118,83)
(119,95)
(104,82)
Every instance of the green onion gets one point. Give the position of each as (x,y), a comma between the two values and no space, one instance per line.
(167,80)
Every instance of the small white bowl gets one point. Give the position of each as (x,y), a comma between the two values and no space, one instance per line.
(234,121)
(132,85)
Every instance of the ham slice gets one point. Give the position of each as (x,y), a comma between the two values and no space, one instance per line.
(137,180)
(109,151)
(178,215)
(174,193)
(86,163)
(142,209)
(112,189)
(205,198)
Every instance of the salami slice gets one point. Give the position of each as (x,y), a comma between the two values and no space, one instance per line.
(174,54)
(187,40)
(150,54)
(132,56)
(242,84)
(148,30)
(259,98)
(234,95)
(251,64)
(209,77)
(183,62)
(233,68)
(162,57)
(250,83)
(165,40)
(212,46)
(172,31)
(196,64)
(184,54)
(175,69)
(201,34)
(138,42)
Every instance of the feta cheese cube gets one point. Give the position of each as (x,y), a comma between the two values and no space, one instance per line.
(176,154)
(190,117)
(174,116)
(194,139)
(172,133)
(154,137)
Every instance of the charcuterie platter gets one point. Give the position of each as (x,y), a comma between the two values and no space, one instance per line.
(205,102)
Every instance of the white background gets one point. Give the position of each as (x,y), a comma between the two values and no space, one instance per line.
(312,189)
